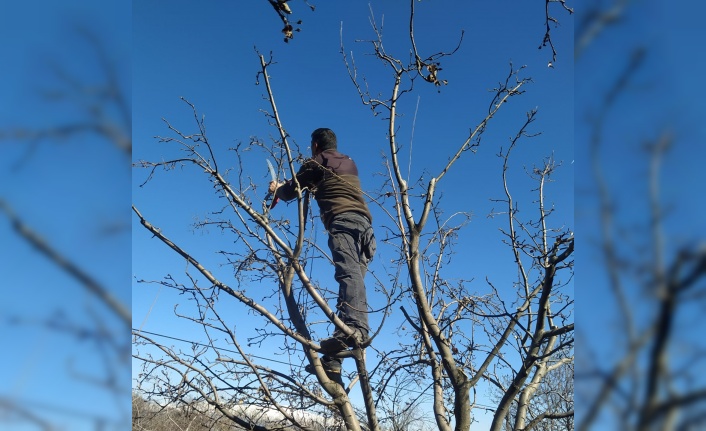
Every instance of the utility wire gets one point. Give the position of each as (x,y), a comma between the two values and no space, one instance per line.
(207,345)
(490,408)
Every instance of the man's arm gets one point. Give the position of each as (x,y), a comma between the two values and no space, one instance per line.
(309,174)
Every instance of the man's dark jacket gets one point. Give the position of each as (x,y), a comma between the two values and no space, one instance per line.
(333,179)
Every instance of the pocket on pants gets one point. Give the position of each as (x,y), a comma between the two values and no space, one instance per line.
(368,243)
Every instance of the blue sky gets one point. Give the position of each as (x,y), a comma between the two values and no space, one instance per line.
(69,192)
(206,54)
(661,97)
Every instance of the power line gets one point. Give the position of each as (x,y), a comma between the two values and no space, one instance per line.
(485,407)
(208,345)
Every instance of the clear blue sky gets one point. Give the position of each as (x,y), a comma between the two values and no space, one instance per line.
(206,54)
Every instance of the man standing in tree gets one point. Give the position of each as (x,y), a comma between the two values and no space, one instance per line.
(333,179)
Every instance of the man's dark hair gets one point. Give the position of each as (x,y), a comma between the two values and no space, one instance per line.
(325,138)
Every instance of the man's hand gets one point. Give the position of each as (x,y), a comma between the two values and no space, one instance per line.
(274,185)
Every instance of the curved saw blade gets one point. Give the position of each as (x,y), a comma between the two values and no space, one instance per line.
(273,174)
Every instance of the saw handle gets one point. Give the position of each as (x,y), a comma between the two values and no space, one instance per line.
(274,201)
(273,193)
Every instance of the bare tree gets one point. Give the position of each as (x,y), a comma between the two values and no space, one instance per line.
(454,339)
(441,309)
(551,405)
(285,11)
(550,21)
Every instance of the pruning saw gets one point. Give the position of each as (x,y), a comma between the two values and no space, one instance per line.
(273,177)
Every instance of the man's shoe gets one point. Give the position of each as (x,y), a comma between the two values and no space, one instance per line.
(333,345)
(332,369)
(329,370)
(339,343)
